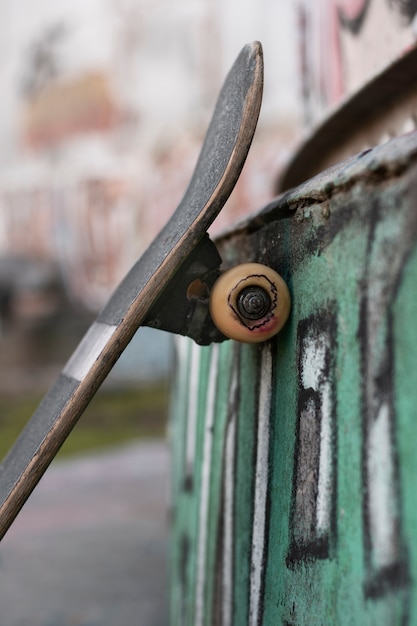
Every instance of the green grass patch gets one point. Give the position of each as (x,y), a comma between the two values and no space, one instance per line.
(114,417)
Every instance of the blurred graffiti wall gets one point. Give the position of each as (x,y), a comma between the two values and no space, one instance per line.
(105,105)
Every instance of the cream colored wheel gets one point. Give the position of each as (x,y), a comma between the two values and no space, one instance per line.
(250,303)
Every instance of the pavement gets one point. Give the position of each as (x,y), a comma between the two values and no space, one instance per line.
(90,546)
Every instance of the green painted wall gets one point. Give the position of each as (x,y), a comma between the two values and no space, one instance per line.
(295,462)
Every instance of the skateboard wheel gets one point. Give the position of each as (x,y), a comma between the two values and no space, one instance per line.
(250,303)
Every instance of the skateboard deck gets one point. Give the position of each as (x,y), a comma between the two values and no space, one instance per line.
(218,167)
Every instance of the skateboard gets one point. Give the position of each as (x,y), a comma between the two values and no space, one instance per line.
(167,287)
(175,286)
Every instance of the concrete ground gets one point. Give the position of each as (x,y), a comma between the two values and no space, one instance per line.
(90,546)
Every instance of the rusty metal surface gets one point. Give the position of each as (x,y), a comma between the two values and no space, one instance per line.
(294,462)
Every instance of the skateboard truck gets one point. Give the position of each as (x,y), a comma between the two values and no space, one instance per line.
(249,303)
(183,308)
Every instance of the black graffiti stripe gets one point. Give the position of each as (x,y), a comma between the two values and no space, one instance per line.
(355,23)
(314,501)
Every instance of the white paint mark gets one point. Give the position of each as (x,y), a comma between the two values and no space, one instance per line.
(88,351)
(261,487)
(228,507)
(381,491)
(191,423)
(205,487)
(325,478)
(315,377)
(313,361)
